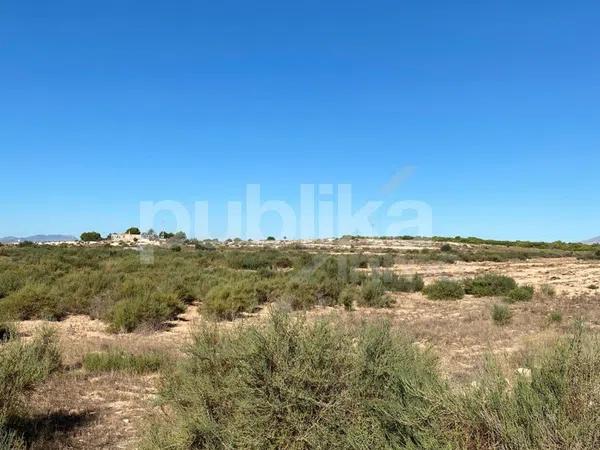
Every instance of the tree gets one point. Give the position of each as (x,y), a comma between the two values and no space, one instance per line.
(90,236)
(165,235)
(180,235)
(133,230)
(270,238)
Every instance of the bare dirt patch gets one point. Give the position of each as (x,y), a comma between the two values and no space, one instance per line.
(568,275)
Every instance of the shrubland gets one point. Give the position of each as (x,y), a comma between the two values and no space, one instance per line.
(113,284)
(336,384)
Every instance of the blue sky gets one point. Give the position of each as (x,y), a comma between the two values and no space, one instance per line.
(495,106)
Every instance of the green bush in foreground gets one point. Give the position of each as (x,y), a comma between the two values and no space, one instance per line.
(501,314)
(298,385)
(295,384)
(520,294)
(121,361)
(444,290)
(554,408)
(489,285)
(22,366)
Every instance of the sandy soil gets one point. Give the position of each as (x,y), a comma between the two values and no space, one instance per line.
(568,275)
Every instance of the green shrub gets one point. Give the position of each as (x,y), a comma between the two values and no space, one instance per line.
(397,283)
(304,293)
(501,314)
(593,286)
(489,285)
(121,361)
(372,293)
(294,384)
(555,316)
(556,407)
(33,301)
(445,248)
(145,311)
(227,301)
(444,290)
(11,281)
(258,259)
(349,296)
(520,294)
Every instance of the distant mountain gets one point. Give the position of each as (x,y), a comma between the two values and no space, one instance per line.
(595,240)
(38,238)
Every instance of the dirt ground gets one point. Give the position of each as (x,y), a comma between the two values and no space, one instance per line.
(78,410)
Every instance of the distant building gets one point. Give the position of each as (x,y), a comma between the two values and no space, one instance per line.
(124,237)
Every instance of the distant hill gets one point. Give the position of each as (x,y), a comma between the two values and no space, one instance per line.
(38,238)
(595,240)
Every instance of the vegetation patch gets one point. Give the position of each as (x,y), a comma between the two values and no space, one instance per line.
(501,314)
(228,301)
(520,294)
(398,283)
(489,285)
(372,293)
(146,311)
(444,290)
(295,384)
(328,384)
(23,365)
(555,407)
(555,317)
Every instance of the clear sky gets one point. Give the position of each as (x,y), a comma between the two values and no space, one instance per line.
(493,106)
